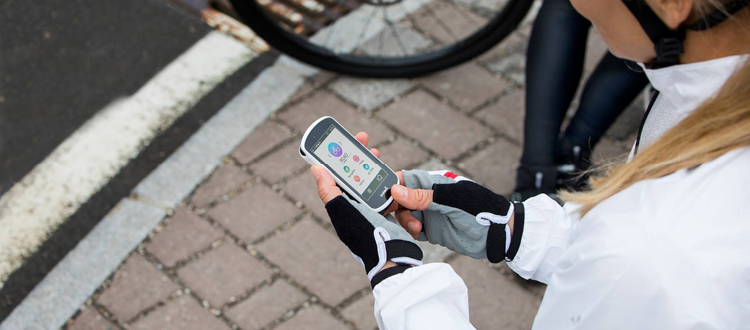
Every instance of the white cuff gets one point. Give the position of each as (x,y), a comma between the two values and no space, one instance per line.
(546,230)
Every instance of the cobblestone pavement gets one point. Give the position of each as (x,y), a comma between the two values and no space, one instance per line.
(253,248)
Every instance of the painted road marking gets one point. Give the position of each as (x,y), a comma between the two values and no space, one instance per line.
(62,292)
(83,163)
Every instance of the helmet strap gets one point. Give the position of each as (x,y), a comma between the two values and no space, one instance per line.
(668,43)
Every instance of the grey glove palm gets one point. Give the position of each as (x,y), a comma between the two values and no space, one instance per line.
(464,216)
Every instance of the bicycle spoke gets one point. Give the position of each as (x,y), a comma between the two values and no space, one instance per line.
(329,32)
(361,36)
(394,32)
(424,36)
(380,44)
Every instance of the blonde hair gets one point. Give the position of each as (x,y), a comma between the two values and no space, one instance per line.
(719,125)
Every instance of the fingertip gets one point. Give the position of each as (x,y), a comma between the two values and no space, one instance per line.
(363,138)
(399,193)
(375,152)
(415,227)
(315,170)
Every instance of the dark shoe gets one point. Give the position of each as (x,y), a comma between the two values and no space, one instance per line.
(572,165)
(533,180)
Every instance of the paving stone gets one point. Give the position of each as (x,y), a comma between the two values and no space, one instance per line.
(495,301)
(303,91)
(185,234)
(397,41)
(511,65)
(266,305)
(495,166)
(525,29)
(90,319)
(447,22)
(467,86)
(281,163)
(609,151)
(323,77)
(400,154)
(312,318)
(514,40)
(303,189)
(254,213)
(325,104)
(507,114)
(434,124)
(226,178)
(595,50)
(317,260)
(263,139)
(135,287)
(183,313)
(222,273)
(362,313)
(370,93)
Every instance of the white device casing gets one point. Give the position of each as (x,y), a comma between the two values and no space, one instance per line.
(312,161)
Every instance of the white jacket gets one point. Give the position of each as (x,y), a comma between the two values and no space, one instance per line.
(667,253)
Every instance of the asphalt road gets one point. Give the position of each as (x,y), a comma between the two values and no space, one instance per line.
(61,61)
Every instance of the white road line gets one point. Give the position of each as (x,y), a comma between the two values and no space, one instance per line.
(62,292)
(86,161)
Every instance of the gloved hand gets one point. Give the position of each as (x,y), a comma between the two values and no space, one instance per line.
(371,238)
(459,214)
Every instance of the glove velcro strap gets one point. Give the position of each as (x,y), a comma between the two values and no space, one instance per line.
(496,243)
(403,252)
(386,273)
(470,198)
(515,241)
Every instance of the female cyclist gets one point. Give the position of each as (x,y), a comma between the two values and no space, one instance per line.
(658,243)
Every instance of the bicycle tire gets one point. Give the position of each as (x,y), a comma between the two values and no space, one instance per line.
(505,22)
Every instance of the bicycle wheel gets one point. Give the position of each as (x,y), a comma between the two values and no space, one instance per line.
(382,38)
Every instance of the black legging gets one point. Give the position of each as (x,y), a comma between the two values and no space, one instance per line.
(554,66)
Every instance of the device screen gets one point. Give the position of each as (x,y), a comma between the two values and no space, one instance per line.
(349,162)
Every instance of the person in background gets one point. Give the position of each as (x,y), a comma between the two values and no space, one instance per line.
(660,242)
(555,60)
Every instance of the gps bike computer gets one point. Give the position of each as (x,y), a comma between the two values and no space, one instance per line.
(356,170)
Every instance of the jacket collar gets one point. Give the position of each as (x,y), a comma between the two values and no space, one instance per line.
(686,86)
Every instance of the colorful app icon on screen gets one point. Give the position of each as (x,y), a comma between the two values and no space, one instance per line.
(335,149)
(356,178)
(356,158)
(347,169)
(367,167)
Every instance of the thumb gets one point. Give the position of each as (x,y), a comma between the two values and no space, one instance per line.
(413,199)
(327,189)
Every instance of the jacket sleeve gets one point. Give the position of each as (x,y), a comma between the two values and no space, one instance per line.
(547,231)
(430,296)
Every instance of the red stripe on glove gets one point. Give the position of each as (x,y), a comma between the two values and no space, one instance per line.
(450,174)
